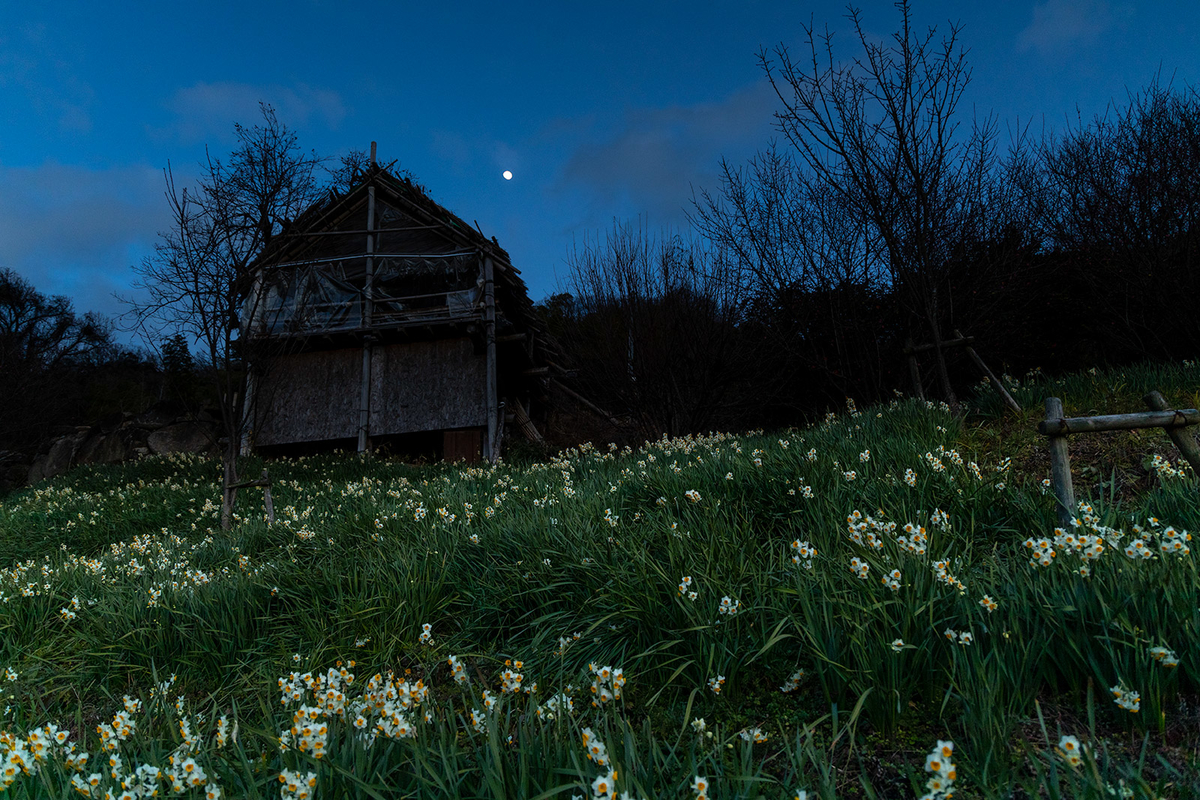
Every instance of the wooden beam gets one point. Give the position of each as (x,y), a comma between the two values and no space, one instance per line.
(535,371)
(921,348)
(999,387)
(588,404)
(1060,465)
(491,444)
(265,482)
(521,417)
(1118,422)
(368,313)
(511,337)
(1184,441)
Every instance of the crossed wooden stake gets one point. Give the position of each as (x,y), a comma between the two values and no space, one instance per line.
(265,482)
(964,342)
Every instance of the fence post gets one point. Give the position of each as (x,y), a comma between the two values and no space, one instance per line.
(1180,436)
(1060,466)
(267,497)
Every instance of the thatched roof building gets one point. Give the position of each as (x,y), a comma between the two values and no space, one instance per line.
(390,319)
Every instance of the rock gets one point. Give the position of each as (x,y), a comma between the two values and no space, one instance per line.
(182,437)
(103,448)
(60,458)
(37,470)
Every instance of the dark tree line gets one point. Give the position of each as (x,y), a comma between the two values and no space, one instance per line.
(60,368)
(885,214)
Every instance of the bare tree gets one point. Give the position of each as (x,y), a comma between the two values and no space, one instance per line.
(1123,194)
(43,343)
(654,333)
(199,282)
(881,132)
(805,261)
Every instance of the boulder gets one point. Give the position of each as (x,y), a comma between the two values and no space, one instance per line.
(37,470)
(60,458)
(103,448)
(182,437)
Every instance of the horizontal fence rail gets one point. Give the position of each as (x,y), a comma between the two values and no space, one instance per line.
(1056,427)
(1120,422)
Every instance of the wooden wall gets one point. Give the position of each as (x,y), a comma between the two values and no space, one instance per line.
(312,397)
(415,386)
(427,386)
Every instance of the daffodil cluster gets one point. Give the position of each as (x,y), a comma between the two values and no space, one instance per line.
(1125,698)
(1164,656)
(607,683)
(803,552)
(297,785)
(558,704)
(859,567)
(1071,750)
(793,683)
(941,783)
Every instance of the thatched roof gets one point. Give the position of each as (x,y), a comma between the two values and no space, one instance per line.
(416,238)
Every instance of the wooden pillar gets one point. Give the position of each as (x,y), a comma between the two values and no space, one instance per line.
(1180,436)
(1060,466)
(368,313)
(491,443)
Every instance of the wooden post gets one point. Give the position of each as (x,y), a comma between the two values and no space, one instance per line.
(498,446)
(1060,465)
(913,371)
(999,387)
(1182,439)
(491,444)
(267,498)
(368,314)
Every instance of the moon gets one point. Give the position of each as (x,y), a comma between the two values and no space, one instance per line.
(507,175)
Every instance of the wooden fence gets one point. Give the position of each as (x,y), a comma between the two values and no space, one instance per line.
(1057,428)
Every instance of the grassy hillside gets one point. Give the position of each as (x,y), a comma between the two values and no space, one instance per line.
(727,616)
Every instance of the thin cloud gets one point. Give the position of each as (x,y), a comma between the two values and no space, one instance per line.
(1065,23)
(75,231)
(32,67)
(656,156)
(207,111)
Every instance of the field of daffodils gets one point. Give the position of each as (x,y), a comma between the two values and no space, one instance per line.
(879,605)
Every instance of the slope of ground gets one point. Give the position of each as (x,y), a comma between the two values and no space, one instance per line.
(727,616)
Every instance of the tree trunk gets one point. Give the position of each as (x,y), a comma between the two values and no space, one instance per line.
(942,374)
(230,480)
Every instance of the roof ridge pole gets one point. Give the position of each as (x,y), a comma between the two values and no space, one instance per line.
(491,448)
(368,313)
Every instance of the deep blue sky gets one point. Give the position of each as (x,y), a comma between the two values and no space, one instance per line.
(601,110)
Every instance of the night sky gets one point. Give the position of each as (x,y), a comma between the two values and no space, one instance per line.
(601,111)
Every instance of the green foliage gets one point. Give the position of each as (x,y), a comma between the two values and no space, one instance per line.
(118,578)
